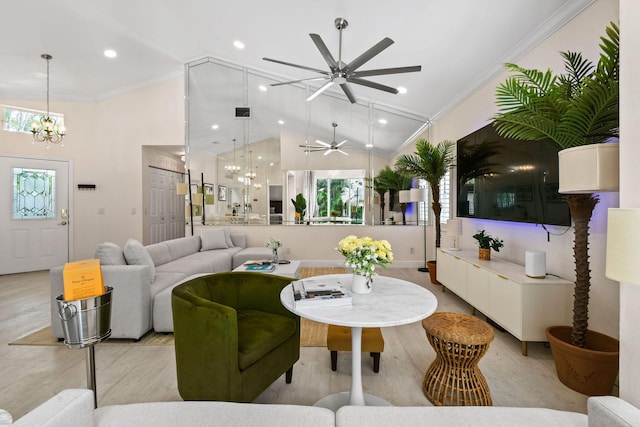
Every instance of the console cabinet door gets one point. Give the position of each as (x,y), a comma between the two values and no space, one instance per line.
(478,287)
(506,303)
(452,273)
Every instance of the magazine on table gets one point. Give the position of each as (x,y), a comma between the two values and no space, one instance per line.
(261,267)
(314,293)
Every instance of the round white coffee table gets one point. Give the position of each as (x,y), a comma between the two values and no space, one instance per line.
(393,302)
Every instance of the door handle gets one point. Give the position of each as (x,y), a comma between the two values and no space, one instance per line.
(63,223)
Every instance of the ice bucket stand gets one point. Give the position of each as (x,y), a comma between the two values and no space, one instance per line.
(86,322)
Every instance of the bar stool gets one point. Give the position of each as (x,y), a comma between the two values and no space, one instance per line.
(453,378)
(339,339)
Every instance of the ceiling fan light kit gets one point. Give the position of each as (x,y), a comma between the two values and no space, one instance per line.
(326,147)
(341,73)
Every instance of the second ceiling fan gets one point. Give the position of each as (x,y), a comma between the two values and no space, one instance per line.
(325,146)
(342,73)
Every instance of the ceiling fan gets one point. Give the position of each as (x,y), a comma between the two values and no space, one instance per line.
(326,147)
(342,73)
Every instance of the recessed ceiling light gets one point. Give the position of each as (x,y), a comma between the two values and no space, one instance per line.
(402,89)
(262,88)
(238,44)
(271,164)
(369,145)
(382,121)
(280,122)
(214,127)
(110,53)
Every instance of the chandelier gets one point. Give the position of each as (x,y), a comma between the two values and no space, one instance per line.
(47,130)
(250,175)
(233,169)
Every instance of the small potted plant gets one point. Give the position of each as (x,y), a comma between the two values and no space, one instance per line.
(486,243)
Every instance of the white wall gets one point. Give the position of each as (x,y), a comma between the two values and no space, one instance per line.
(629,194)
(105,141)
(582,35)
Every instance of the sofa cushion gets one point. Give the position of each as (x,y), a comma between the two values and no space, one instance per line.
(159,253)
(183,246)
(110,254)
(259,333)
(161,414)
(136,254)
(213,239)
(446,416)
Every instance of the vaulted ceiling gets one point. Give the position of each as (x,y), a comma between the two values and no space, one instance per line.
(459,45)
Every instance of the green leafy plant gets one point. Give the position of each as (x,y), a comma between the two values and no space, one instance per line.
(577,108)
(431,163)
(485,241)
(300,205)
(394,182)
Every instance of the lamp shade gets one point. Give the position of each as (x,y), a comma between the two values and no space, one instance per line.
(181,188)
(404,196)
(623,232)
(454,227)
(591,168)
(419,195)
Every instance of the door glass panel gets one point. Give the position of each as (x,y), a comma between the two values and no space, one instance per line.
(34,193)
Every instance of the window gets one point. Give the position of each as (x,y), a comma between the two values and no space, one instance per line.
(34,193)
(425,212)
(21,120)
(341,198)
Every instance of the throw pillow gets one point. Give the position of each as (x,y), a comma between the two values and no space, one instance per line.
(136,254)
(213,239)
(227,236)
(110,254)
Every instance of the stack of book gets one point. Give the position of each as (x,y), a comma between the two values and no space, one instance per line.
(263,266)
(314,293)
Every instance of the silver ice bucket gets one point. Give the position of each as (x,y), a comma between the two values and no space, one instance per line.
(85,321)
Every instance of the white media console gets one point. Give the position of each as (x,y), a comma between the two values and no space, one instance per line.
(500,290)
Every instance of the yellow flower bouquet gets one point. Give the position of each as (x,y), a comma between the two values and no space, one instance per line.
(363,254)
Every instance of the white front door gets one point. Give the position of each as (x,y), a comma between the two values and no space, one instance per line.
(34,214)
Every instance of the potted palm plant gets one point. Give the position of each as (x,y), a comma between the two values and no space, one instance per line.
(394,182)
(574,109)
(431,163)
(300,206)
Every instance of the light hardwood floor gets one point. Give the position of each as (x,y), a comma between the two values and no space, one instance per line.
(29,375)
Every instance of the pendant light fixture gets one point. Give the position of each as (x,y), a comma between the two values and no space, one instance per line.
(47,130)
(233,169)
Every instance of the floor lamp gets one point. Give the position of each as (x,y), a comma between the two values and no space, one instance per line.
(421,195)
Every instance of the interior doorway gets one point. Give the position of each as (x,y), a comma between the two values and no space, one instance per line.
(166,208)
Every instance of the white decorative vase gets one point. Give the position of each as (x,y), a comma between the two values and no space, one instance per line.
(361,284)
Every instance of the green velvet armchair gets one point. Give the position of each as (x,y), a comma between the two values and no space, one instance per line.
(233,337)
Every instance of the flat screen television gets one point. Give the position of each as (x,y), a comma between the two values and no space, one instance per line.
(509,180)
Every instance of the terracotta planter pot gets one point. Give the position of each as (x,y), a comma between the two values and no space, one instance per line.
(433,272)
(591,370)
(484,254)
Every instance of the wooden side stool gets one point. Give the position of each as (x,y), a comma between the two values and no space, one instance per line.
(339,339)
(454,378)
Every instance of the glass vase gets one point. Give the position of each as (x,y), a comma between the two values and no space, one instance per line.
(274,255)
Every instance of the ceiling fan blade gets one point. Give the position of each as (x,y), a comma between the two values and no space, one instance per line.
(329,151)
(382,71)
(312,147)
(341,143)
(319,91)
(324,51)
(323,143)
(277,61)
(299,81)
(373,51)
(343,152)
(347,91)
(373,85)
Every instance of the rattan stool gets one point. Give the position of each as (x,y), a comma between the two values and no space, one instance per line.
(460,341)
(339,339)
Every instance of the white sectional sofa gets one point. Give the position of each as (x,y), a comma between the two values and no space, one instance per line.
(142,276)
(74,408)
